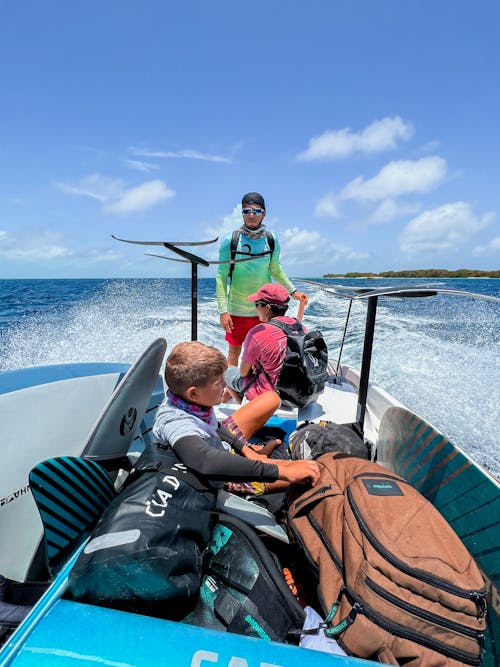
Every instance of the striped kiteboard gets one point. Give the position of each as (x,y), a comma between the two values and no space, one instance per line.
(466,495)
(70,494)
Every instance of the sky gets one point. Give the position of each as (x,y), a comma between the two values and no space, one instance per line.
(371,127)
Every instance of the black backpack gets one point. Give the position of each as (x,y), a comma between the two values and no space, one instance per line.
(304,372)
(243,589)
(234,248)
(312,440)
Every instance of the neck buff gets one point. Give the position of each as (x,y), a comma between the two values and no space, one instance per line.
(205,414)
(253,233)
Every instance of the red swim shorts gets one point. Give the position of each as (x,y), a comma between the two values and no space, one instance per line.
(241,326)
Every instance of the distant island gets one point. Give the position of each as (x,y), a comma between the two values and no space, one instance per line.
(419,273)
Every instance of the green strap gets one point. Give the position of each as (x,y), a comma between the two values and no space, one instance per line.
(332,612)
(345,623)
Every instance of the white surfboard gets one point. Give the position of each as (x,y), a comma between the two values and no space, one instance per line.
(61,413)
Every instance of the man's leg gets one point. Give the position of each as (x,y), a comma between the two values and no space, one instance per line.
(235,338)
(233,355)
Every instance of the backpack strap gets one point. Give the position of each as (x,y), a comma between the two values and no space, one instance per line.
(288,329)
(235,237)
(234,245)
(270,243)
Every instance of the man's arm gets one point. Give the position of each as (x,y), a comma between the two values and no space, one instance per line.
(280,276)
(222,275)
(276,269)
(245,369)
(250,354)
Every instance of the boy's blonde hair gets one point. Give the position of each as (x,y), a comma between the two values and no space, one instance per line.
(193,364)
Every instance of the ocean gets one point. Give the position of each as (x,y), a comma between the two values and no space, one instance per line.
(438,355)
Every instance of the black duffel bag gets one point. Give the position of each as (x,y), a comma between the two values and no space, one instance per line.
(144,555)
(312,440)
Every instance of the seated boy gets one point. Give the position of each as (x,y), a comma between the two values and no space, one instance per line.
(186,421)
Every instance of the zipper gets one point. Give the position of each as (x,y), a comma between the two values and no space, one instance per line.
(412,635)
(297,539)
(318,492)
(381,474)
(333,555)
(476,596)
(422,613)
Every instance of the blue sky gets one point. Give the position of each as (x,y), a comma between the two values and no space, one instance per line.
(370,127)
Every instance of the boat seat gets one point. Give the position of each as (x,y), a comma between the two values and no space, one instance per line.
(16,600)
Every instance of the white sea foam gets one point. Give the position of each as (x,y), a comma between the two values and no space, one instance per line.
(441,361)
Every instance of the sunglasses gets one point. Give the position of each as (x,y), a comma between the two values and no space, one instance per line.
(261,303)
(255,211)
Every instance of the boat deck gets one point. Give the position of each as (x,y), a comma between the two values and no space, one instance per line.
(337,403)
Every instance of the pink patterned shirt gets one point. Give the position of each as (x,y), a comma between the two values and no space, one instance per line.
(266,345)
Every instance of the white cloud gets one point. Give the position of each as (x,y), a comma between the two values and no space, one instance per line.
(98,256)
(115,197)
(441,229)
(94,186)
(302,247)
(44,246)
(398,178)
(389,209)
(140,165)
(140,198)
(381,135)
(327,207)
(228,223)
(491,248)
(430,147)
(187,153)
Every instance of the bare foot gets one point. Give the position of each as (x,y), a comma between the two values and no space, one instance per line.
(266,448)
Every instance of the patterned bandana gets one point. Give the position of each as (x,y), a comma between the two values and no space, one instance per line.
(253,233)
(205,414)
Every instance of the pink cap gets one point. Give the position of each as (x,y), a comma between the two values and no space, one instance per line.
(271,293)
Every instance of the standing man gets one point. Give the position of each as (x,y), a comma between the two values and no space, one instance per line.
(237,314)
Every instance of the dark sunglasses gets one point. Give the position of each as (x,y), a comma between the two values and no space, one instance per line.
(255,211)
(261,303)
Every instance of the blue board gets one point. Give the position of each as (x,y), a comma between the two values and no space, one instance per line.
(76,635)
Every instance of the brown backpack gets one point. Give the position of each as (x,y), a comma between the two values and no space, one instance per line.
(394,581)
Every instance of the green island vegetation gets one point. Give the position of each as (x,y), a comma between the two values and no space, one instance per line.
(419,273)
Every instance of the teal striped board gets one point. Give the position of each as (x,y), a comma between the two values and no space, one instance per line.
(466,495)
(70,494)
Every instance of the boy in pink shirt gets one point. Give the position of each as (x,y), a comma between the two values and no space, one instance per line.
(264,347)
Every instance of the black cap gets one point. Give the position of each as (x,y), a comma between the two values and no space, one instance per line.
(254,198)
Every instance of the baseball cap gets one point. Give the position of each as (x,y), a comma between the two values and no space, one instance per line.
(254,198)
(271,293)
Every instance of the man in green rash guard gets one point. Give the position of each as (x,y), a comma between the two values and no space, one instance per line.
(237,314)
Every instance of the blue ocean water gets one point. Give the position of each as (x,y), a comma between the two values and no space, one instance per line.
(439,355)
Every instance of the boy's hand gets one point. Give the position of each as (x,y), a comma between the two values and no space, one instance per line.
(299,472)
